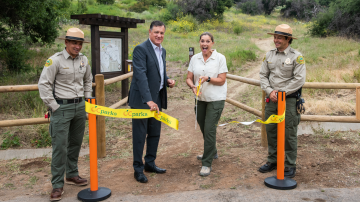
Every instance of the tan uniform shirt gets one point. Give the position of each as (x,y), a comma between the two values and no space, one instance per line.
(283,71)
(72,78)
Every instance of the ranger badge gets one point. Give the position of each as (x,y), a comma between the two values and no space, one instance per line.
(287,61)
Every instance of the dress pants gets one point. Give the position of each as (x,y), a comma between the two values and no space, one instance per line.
(145,130)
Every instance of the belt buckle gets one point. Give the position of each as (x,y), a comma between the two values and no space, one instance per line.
(76,100)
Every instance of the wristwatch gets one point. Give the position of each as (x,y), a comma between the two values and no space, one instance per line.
(208,79)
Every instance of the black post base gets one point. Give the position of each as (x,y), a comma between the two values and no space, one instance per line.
(101,194)
(285,184)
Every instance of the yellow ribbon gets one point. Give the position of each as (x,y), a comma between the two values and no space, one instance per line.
(197,97)
(198,89)
(272,119)
(132,114)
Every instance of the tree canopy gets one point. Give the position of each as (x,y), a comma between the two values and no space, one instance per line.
(23,23)
(205,9)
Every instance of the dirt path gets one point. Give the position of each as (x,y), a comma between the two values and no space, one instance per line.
(326,160)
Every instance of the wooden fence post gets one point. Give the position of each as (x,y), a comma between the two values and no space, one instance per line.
(125,82)
(264,141)
(357,111)
(100,120)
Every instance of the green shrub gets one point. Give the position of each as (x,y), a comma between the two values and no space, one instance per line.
(342,18)
(251,7)
(107,2)
(321,24)
(144,5)
(91,2)
(238,29)
(14,56)
(204,10)
(139,7)
(10,141)
(43,138)
(81,7)
(171,12)
(305,9)
(184,25)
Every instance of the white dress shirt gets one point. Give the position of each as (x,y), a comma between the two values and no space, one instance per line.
(158,53)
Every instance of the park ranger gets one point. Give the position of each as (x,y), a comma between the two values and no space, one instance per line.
(64,81)
(283,69)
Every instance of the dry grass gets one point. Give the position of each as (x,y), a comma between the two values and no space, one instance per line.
(332,105)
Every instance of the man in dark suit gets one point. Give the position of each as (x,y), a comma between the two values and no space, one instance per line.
(148,90)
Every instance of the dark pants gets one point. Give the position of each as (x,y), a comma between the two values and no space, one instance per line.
(208,115)
(66,128)
(292,120)
(141,127)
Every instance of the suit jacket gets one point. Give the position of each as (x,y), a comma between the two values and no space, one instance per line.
(146,80)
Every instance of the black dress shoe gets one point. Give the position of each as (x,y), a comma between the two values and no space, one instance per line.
(289,172)
(267,167)
(140,177)
(154,169)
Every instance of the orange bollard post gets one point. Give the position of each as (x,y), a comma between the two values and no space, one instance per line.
(281,137)
(95,193)
(93,151)
(281,182)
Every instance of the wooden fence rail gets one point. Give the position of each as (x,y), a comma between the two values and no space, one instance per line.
(35,121)
(34,87)
(317,85)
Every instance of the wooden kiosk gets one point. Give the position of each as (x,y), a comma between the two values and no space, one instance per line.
(101,41)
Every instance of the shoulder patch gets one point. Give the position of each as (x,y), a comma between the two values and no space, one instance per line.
(300,59)
(48,62)
(264,58)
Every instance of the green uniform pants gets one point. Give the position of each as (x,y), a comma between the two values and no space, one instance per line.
(67,125)
(292,120)
(208,115)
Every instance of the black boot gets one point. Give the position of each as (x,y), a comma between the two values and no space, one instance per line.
(289,172)
(267,167)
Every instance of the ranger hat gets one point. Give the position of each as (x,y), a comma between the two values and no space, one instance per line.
(284,30)
(75,34)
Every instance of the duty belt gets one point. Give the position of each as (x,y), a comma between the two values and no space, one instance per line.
(69,101)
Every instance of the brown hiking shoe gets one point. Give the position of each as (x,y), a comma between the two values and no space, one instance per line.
(78,181)
(56,194)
